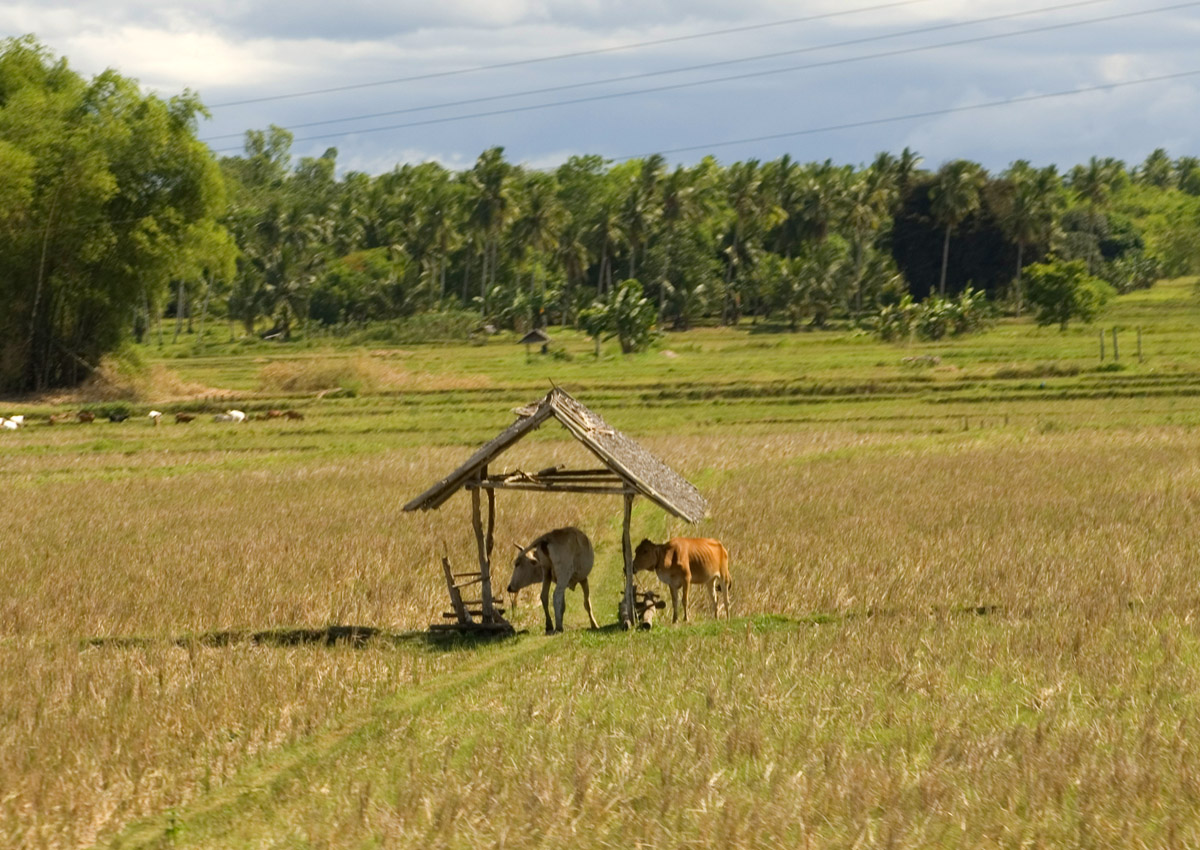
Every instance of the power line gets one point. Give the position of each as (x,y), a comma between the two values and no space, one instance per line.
(915,115)
(735,77)
(575,54)
(685,69)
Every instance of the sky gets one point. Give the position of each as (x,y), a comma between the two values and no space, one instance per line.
(816,79)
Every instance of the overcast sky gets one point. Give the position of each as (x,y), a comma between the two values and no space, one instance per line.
(235,50)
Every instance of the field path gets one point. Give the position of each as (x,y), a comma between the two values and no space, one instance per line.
(253,786)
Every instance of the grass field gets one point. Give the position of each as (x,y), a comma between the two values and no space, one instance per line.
(967,599)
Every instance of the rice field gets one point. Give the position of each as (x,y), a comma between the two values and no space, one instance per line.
(966,605)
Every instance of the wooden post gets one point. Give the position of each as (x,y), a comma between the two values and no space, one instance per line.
(627,551)
(491,525)
(1116,351)
(1101,345)
(1139,343)
(485,572)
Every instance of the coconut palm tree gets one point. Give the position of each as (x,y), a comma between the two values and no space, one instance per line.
(640,207)
(492,207)
(1031,208)
(539,222)
(1094,184)
(954,196)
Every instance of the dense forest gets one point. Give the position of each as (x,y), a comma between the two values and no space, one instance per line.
(113,216)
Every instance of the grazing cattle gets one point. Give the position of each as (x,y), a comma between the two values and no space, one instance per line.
(273,414)
(293,414)
(59,418)
(563,556)
(184,418)
(155,415)
(236,415)
(117,416)
(684,561)
(85,416)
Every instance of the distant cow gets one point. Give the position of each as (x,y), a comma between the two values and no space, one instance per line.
(563,556)
(684,561)
(184,418)
(85,416)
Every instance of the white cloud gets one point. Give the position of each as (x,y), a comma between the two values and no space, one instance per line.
(231,50)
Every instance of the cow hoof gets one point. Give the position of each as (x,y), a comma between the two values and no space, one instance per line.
(550,630)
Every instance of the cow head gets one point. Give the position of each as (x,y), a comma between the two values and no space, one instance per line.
(647,556)
(529,567)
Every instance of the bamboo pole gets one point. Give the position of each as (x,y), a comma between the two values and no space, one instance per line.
(627,550)
(1116,351)
(484,567)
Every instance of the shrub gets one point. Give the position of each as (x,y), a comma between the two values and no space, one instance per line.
(1062,291)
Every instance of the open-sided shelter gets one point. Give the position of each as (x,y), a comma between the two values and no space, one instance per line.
(628,471)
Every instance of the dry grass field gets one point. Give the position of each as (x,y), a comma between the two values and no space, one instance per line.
(949,633)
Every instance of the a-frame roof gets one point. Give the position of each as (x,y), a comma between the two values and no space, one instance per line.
(641,470)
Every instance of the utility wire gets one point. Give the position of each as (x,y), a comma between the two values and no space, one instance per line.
(928,114)
(700,67)
(556,57)
(748,75)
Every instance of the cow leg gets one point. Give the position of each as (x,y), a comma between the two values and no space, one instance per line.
(546,606)
(587,602)
(712,596)
(560,604)
(725,596)
(686,586)
(674,603)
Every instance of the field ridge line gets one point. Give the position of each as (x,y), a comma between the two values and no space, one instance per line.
(258,778)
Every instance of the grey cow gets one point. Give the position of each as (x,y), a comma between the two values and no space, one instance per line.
(563,556)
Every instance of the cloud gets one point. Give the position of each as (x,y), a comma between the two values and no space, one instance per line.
(233,50)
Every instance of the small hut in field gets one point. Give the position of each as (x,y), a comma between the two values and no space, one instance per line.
(626,469)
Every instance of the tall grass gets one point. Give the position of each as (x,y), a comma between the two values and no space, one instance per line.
(887,710)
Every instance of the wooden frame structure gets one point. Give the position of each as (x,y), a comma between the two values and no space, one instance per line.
(628,471)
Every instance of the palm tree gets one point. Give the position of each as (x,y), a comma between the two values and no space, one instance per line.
(1094,183)
(1157,170)
(753,214)
(867,199)
(540,221)
(639,207)
(683,201)
(1031,209)
(492,209)
(954,196)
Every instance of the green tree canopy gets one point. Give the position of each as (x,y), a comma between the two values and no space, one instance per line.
(107,196)
(1062,290)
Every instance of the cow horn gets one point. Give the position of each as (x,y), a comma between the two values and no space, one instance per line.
(520,548)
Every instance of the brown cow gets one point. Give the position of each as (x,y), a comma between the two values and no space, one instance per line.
(684,561)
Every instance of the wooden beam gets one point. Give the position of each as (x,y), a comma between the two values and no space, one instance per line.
(460,610)
(539,487)
(485,570)
(627,550)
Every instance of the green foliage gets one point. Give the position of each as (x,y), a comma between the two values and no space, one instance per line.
(629,317)
(932,319)
(1062,290)
(107,197)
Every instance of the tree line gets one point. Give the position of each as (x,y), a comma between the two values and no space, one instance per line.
(797,243)
(113,217)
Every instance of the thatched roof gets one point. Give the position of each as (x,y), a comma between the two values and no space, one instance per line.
(535,337)
(641,470)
